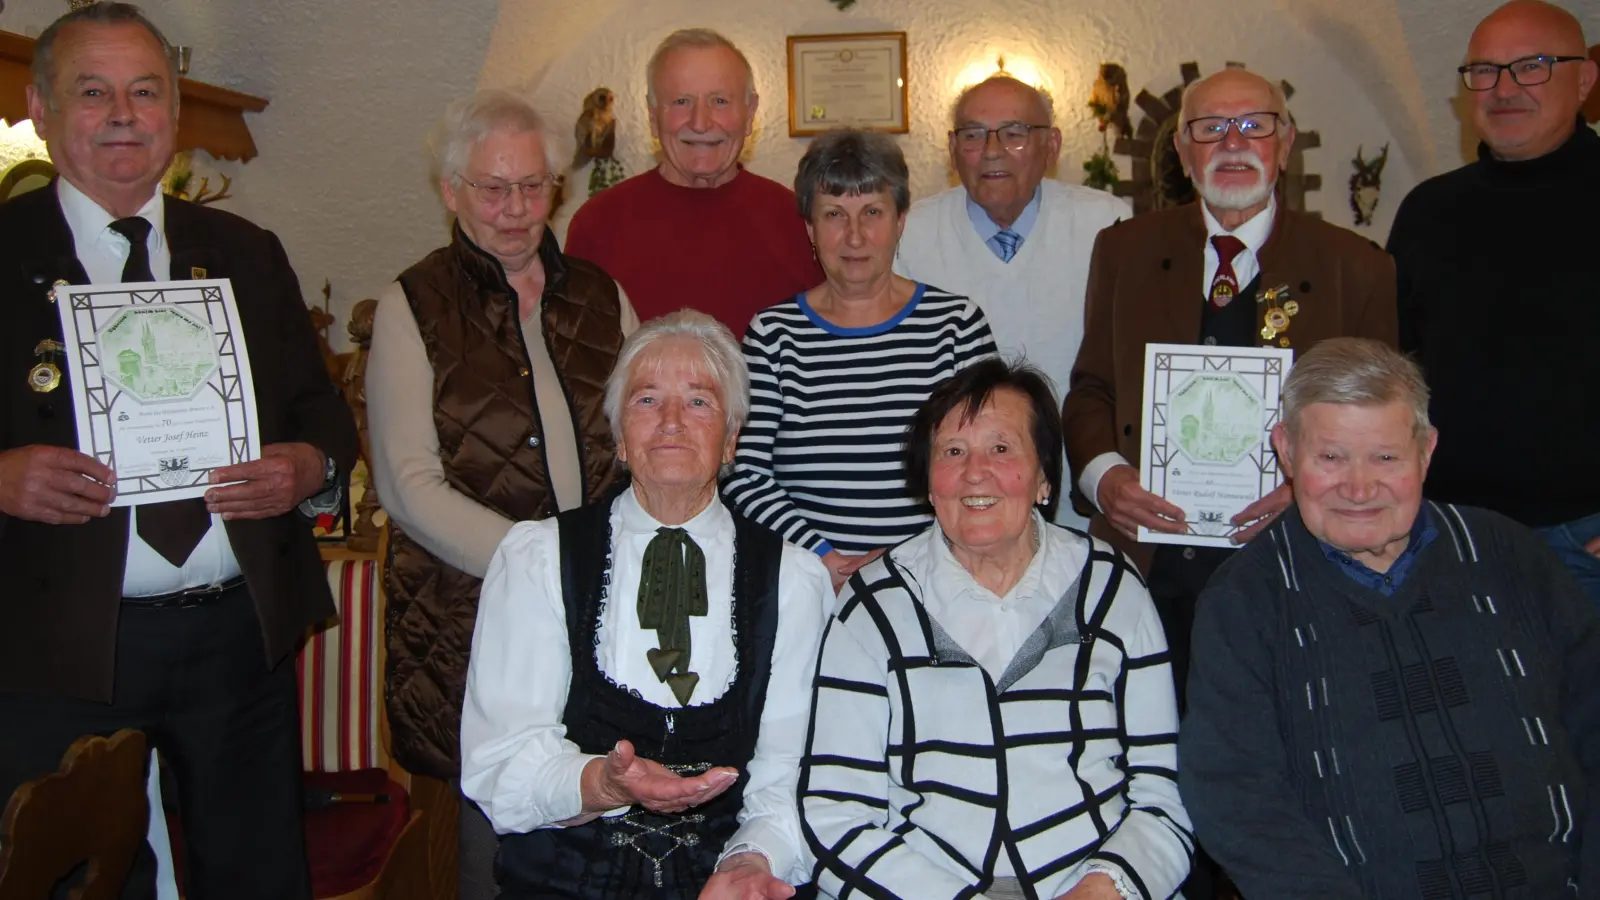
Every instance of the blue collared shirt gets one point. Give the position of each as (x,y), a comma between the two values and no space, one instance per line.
(1423,533)
(987,229)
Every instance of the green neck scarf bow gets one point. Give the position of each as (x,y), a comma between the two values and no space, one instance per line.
(672,587)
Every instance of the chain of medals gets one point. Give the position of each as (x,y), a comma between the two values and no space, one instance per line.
(634,818)
(1278,310)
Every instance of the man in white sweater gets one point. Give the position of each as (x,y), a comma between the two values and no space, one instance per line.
(1015,242)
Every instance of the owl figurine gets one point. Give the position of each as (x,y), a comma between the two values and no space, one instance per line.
(596,131)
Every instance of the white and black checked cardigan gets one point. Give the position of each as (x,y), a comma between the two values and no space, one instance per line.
(920,770)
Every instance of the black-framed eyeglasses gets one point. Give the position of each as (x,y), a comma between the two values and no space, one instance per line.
(1211,129)
(1012,135)
(533,187)
(1527,71)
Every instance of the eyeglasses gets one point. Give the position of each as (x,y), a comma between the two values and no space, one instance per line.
(1013,136)
(1211,129)
(1528,71)
(535,187)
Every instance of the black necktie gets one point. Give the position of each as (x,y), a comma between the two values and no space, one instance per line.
(173,529)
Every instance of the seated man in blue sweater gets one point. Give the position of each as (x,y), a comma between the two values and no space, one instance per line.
(1390,698)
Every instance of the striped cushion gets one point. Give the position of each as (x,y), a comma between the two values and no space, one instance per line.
(339,678)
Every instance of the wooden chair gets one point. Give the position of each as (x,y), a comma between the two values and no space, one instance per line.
(92,810)
(345,839)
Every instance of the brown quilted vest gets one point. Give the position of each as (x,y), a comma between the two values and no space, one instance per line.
(492,447)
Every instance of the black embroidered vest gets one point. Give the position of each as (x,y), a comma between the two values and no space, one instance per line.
(642,854)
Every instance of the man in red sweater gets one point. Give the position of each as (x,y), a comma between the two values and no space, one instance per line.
(698,231)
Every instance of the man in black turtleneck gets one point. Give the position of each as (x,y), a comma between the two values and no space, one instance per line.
(1499,288)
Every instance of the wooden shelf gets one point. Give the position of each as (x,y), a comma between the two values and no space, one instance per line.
(210,118)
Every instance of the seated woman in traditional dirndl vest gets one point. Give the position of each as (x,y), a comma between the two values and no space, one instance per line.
(633,725)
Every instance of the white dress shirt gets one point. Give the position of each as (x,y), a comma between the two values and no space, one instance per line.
(516,761)
(103,252)
(989,627)
(1253,233)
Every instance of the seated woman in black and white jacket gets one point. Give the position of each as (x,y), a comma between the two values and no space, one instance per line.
(993,707)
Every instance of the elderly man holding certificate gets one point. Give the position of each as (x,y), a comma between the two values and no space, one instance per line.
(1224,277)
(175,618)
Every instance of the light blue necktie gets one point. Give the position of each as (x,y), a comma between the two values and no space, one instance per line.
(1009,241)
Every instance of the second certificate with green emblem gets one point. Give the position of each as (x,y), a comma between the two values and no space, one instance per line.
(161,386)
(1208,417)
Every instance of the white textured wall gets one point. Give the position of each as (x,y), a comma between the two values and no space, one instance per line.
(355,85)
(609,42)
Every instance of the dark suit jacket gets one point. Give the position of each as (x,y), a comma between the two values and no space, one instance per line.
(62,584)
(1145,287)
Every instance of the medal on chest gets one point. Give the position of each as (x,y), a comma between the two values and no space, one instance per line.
(1277,312)
(46,376)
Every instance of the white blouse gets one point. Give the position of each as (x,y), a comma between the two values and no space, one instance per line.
(990,627)
(515,759)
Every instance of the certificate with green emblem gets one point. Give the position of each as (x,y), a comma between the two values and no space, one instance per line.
(1208,417)
(161,385)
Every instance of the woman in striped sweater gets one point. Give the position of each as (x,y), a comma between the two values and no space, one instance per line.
(993,713)
(838,371)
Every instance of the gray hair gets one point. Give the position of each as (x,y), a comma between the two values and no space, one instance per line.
(846,161)
(476,116)
(1280,102)
(1042,95)
(95,14)
(1361,371)
(700,38)
(720,353)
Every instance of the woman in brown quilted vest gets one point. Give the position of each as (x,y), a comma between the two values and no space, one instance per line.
(484,388)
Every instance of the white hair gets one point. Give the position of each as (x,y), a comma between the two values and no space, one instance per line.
(472,118)
(700,38)
(1358,371)
(1040,93)
(1280,103)
(720,354)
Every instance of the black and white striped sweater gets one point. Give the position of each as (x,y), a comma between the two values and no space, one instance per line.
(821,459)
(1439,743)
(921,773)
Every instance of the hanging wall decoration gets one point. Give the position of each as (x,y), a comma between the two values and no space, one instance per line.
(1366,184)
(596,134)
(1108,101)
(1158,180)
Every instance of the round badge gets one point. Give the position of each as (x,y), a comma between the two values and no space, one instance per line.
(1292,307)
(44,378)
(1278,319)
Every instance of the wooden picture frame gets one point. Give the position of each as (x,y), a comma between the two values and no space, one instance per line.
(848,80)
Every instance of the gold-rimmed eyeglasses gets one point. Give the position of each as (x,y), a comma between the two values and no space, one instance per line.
(492,191)
(1527,71)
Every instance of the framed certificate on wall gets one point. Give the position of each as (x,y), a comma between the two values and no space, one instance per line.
(848,80)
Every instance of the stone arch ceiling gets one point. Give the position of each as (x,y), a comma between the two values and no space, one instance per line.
(1405,53)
